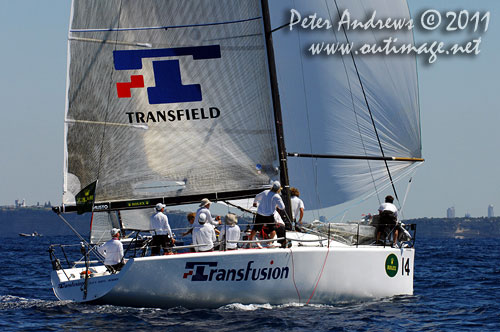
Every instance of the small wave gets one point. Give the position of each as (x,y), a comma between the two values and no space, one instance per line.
(268,306)
(247,307)
(18,302)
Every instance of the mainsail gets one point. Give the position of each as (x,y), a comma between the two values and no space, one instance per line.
(345,105)
(168,99)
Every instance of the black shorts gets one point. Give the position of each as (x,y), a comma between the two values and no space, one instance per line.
(116,267)
(261,221)
(159,242)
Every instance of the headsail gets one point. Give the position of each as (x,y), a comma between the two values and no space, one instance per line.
(127,221)
(346,105)
(101,225)
(168,99)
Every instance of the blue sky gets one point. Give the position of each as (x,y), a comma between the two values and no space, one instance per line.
(458,97)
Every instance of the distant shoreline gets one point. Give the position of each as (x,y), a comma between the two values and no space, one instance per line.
(42,220)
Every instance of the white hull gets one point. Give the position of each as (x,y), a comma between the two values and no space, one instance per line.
(275,276)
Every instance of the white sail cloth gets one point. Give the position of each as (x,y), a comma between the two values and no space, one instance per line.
(339,104)
(167,99)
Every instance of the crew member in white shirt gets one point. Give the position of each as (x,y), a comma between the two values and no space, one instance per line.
(204,235)
(388,218)
(297,206)
(112,251)
(267,202)
(231,231)
(162,234)
(205,208)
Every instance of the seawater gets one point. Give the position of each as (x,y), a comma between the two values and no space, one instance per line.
(456,288)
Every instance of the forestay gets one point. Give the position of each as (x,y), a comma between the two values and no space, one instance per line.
(326,102)
(167,99)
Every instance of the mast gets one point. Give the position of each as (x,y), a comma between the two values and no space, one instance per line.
(285,183)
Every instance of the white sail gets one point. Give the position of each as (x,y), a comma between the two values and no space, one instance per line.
(101,225)
(325,101)
(168,99)
(127,220)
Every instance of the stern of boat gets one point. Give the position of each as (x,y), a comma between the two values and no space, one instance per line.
(73,285)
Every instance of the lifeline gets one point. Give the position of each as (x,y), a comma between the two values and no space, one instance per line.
(174,115)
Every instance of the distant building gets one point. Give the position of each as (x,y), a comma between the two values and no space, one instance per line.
(467,215)
(491,214)
(450,213)
(20,203)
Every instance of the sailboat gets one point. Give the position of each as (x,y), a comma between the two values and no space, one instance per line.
(174,101)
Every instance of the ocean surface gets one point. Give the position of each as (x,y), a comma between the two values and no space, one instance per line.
(456,288)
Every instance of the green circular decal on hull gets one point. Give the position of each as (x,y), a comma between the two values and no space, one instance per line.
(391,265)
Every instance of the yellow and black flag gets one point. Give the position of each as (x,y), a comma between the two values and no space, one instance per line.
(85,198)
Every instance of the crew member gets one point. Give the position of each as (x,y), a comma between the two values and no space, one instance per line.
(267,202)
(297,206)
(204,236)
(162,234)
(205,208)
(388,219)
(231,231)
(112,251)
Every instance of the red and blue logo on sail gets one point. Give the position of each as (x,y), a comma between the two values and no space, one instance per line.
(167,73)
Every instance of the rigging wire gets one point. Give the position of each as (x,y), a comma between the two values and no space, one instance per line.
(406,194)
(369,109)
(371,194)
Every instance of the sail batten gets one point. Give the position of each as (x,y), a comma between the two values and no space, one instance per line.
(164,27)
(169,201)
(365,157)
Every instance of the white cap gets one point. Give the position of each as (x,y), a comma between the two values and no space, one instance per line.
(159,206)
(202,218)
(205,202)
(114,231)
(276,186)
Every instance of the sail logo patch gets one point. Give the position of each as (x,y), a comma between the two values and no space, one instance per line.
(167,73)
(208,271)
